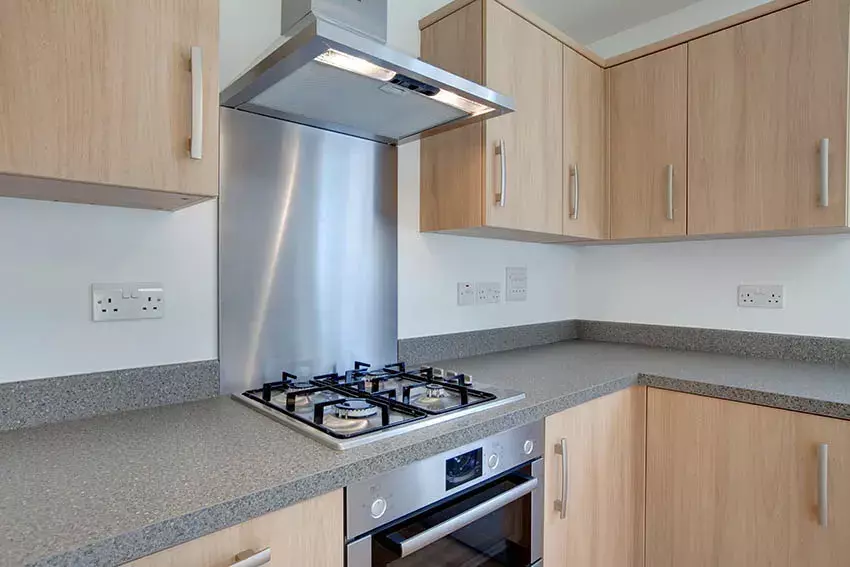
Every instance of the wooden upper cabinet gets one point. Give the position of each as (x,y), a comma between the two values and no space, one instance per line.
(605,457)
(648,136)
(527,64)
(99,93)
(461,170)
(586,186)
(762,97)
(736,484)
(307,534)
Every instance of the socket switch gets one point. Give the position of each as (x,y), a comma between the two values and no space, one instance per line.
(120,302)
(465,294)
(766,296)
(516,284)
(488,292)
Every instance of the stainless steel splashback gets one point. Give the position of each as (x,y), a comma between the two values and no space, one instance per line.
(308,250)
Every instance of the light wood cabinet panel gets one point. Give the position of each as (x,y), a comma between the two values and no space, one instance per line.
(604,523)
(762,96)
(100,92)
(736,484)
(460,175)
(308,534)
(585,183)
(527,64)
(648,133)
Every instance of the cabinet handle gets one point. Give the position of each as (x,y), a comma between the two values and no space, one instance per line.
(253,558)
(824,172)
(196,141)
(823,484)
(561,505)
(500,151)
(576,189)
(670,192)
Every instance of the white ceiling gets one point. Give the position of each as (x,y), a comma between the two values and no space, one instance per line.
(587,21)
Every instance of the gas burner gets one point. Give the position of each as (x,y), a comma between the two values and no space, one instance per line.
(301,385)
(435,391)
(345,425)
(355,409)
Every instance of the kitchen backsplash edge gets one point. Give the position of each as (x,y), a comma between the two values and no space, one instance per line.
(819,350)
(48,400)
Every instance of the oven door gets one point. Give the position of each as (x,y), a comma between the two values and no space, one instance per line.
(496,524)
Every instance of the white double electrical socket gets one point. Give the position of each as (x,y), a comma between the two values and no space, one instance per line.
(766,296)
(488,292)
(119,302)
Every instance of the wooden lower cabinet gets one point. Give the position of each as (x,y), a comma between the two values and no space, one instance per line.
(308,534)
(605,442)
(732,484)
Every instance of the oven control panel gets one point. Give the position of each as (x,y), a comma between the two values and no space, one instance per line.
(383,499)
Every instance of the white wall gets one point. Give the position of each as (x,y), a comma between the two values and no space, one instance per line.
(695,283)
(50,254)
(430,265)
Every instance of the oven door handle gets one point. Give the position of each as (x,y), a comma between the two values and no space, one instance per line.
(426,538)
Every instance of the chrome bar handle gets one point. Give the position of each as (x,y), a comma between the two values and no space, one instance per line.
(824,172)
(576,190)
(253,559)
(413,544)
(823,484)
(500,151)
(561,505)
(670,191)
(196,142)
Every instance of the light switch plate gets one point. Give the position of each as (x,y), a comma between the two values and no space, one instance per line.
(124,301)
(765,296)
(516,284)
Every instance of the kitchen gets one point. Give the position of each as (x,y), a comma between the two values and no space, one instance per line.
(170,475)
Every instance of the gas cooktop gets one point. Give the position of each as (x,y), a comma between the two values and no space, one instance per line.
(364,405)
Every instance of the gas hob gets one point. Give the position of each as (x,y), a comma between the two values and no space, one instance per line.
(365,405)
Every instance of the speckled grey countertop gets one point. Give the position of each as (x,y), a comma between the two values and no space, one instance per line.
(110,489)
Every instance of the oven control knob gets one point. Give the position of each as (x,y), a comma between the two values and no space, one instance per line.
(379,508)
(528,447)
(493,461)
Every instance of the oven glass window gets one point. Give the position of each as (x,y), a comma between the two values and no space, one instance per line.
(500,538)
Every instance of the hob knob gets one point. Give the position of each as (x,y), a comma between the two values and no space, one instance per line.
(528,447)
(379,508)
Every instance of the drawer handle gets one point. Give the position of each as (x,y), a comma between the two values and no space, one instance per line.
(670,192)
(503,155)
(824,172)
(196,141)
(823,485)
(561,505)
(576,191)
(253,558)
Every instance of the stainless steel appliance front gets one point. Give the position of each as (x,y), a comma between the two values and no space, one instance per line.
(481,503)
(307,252)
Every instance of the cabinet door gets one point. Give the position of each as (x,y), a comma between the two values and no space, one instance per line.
(526,63)
(605,452)
(308,534)
(762,96)
(736,484)
(100,91)
(586,189)
(648,108)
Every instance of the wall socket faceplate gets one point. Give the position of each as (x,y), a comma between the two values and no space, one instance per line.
(516,284)
(488,292)
(765,296)
(465,294)
(120,302)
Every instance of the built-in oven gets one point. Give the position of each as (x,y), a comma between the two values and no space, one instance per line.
(479,505)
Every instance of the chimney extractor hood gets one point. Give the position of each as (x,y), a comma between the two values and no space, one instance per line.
(332,69)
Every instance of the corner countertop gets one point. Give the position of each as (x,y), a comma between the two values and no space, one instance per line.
(106,490)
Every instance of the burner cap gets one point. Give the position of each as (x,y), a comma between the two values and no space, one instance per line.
(435,391)
(302,385)
(355,409)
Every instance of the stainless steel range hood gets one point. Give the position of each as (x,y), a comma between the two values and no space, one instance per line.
(332,69)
